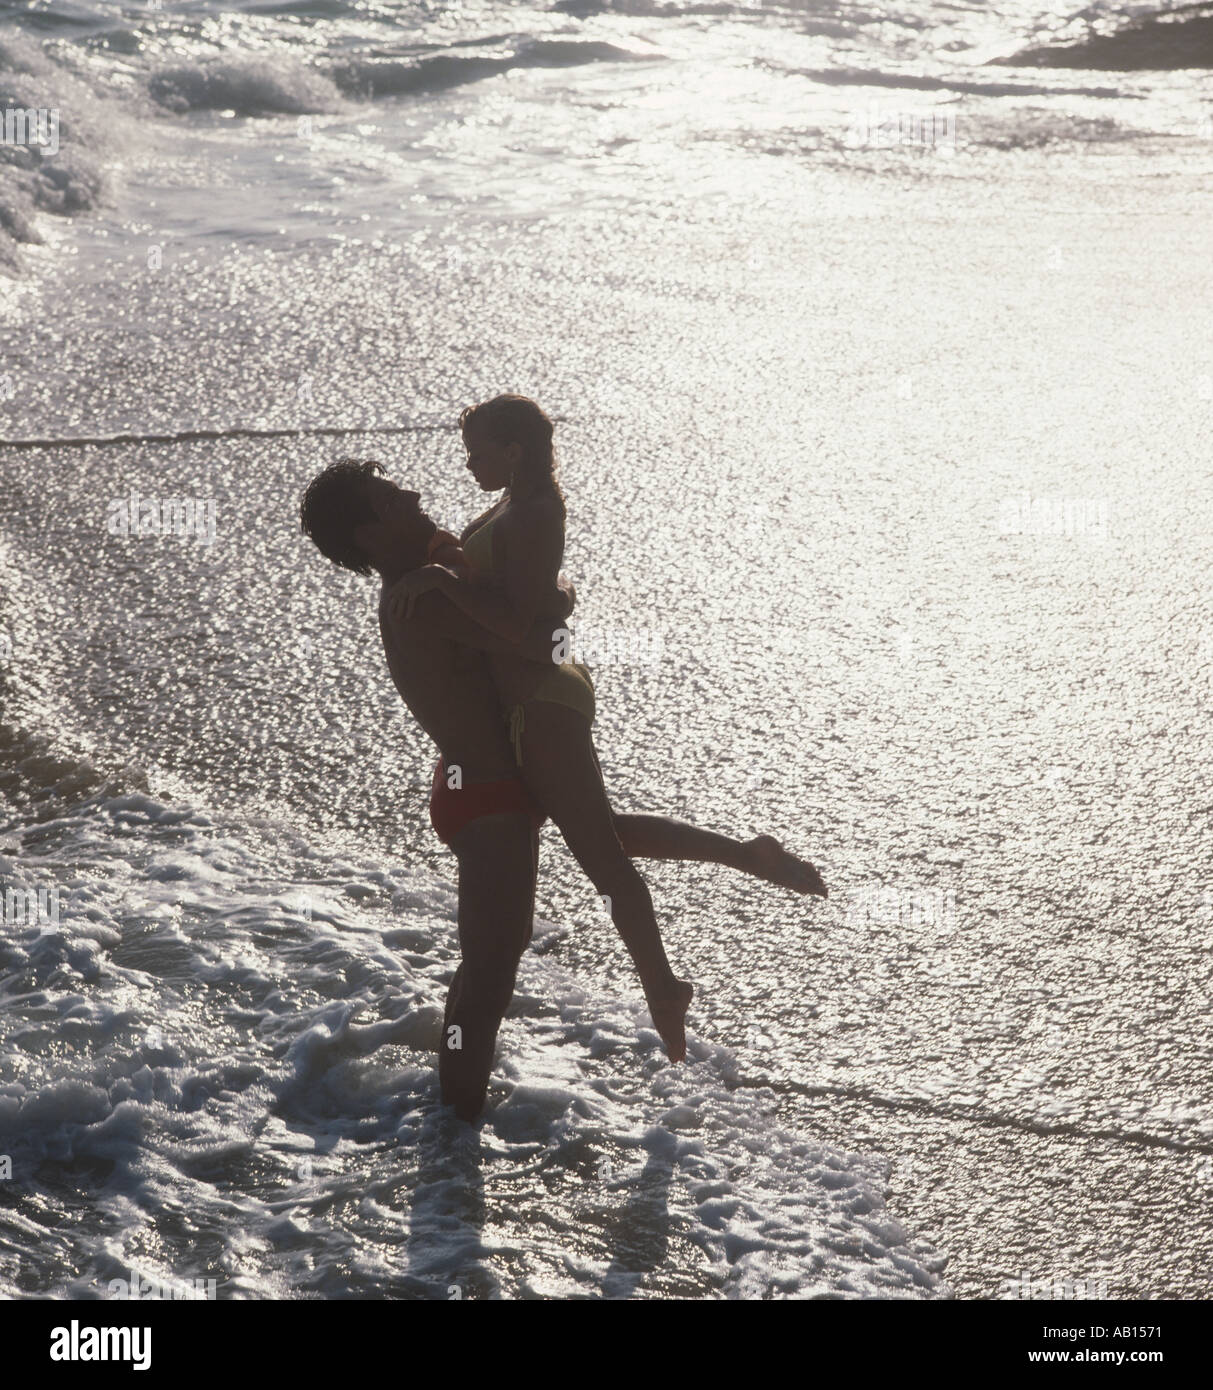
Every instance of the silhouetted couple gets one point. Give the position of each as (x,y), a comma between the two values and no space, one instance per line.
(469,630)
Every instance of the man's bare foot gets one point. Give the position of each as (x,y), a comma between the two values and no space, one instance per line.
(669,1018)
(769,860)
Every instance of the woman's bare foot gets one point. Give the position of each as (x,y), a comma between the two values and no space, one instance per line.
(769,860)
(669,1018)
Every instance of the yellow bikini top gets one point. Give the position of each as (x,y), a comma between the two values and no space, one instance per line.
(478,548)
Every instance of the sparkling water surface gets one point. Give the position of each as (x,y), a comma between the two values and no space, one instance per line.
(892,462)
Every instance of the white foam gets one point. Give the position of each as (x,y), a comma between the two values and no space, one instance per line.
(268,1082)
(93,130)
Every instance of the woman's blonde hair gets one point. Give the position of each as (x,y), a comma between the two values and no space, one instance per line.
(510,419)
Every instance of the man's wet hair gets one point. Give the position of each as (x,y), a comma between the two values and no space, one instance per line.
(335,503)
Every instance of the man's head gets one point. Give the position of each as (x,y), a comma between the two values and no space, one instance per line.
(364,522)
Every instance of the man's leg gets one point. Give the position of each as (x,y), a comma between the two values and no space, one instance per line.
(496,903)
(530,926)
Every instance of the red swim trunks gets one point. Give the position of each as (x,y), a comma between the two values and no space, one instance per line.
(451,810)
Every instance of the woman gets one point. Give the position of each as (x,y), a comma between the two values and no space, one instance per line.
(517,547)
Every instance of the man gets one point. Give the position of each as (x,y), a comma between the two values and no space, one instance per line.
(480,807)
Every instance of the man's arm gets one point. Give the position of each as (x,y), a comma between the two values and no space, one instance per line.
(486,604)
(509,608)
(437,615)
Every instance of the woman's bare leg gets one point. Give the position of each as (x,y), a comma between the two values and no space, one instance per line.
(561,771)
(661,837)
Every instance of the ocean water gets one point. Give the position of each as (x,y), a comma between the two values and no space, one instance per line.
(876,339)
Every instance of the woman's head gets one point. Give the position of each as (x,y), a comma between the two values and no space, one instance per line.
(509,444)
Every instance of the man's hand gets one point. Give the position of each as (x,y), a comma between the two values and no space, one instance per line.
(445,550)
(540,644)
(406,590)
(570,596)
